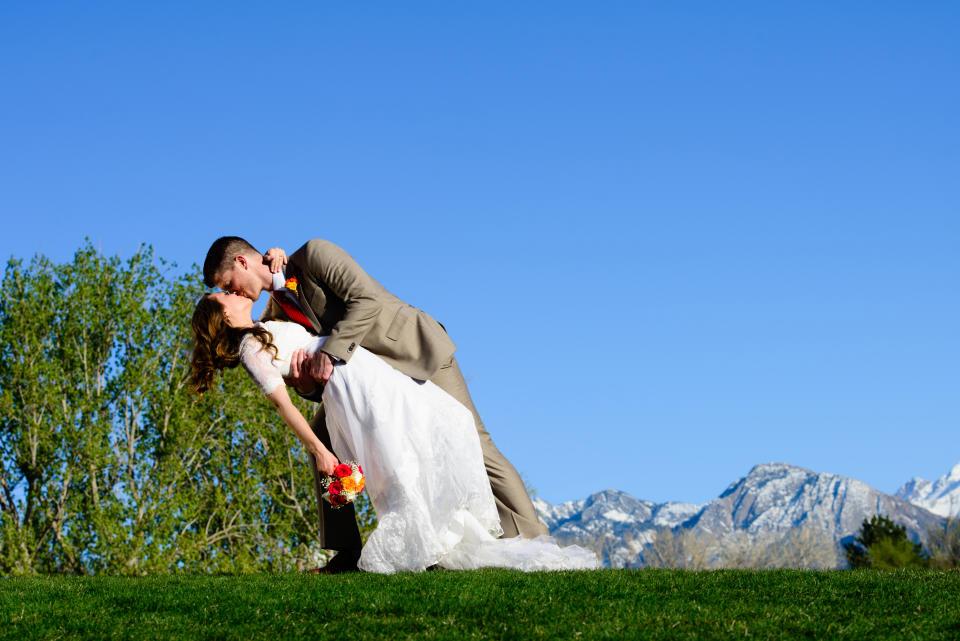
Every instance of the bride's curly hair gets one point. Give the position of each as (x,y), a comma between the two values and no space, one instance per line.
(216,344)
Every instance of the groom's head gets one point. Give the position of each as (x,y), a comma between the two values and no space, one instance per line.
(235,266)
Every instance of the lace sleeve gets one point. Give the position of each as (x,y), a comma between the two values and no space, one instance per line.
(259,365)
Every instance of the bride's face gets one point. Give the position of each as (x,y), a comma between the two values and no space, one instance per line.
(236,309)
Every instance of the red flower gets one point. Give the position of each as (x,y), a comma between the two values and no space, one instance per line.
(335,488)
(338,499)
(360,467)
(342,470)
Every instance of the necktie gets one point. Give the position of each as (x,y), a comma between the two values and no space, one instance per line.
(290,307)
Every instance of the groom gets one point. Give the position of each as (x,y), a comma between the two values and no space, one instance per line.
(325,289)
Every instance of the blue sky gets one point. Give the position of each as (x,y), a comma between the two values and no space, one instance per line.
(671,240)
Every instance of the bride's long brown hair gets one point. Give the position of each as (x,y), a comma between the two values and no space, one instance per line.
(216,344)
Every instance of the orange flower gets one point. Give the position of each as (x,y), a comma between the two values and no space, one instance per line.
(291,283)
(349,484)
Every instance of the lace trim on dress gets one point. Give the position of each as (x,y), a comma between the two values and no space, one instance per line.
(260,365)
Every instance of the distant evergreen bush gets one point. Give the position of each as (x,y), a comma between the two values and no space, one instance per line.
(883,544)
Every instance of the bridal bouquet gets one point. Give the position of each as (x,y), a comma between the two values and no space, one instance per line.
(345,485)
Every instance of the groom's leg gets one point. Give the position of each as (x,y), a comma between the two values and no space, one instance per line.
(517,515)
(338,528)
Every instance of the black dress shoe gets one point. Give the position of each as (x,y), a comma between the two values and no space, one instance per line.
(344,561)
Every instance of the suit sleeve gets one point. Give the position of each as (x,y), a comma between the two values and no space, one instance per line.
(330,265)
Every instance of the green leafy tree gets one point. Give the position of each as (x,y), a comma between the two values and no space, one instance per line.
(883,544)
(108,463)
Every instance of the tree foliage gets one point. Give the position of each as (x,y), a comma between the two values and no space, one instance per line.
(883,544)
(803,547)
(944,545)
(108,463)
(678,549)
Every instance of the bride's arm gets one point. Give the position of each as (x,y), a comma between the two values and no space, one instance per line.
(279,398)
(261,368)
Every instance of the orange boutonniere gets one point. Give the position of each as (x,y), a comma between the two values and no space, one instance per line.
(291,283)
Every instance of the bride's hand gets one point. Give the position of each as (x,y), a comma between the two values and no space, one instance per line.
(326,461)
(276,258)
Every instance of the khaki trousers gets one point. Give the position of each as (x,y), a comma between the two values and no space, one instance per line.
(517,516)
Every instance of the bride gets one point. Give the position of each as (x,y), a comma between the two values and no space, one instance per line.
(417,445)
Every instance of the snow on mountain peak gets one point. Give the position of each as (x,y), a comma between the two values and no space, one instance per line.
(772,499)
(940,497)
(954,473)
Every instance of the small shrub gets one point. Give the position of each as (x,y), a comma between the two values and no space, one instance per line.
(883,544)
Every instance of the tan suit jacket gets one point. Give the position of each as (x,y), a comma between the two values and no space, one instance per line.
(344,303)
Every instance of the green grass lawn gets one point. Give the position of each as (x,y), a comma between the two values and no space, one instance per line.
(489,604)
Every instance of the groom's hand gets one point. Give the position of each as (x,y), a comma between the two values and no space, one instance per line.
(320,366)
(300,375)
(276,258)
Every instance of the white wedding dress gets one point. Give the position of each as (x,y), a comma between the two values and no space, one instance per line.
(420,454)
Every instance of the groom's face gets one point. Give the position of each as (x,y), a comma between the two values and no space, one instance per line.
(239,279)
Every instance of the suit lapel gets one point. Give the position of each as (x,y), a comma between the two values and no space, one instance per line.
(301,296)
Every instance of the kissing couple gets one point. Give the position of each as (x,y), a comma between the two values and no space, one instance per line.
(391,397)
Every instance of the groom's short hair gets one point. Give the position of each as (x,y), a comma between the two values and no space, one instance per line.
(221,254)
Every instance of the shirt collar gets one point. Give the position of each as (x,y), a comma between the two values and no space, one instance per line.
(278,281)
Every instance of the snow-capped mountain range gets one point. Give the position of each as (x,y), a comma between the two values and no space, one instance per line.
(940,497)
(772,499)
